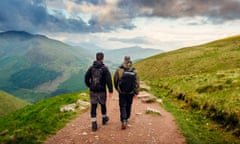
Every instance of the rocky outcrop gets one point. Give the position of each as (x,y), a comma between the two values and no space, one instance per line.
(79,105)
(149,98)
(152,111)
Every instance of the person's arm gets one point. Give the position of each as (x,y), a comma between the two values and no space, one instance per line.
(87,77)
(115,79)
(137,89)
(109,81)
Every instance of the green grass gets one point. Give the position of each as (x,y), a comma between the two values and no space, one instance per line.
(10,103)
(218,55)
(215,93)
(193,123)
(199,85)
(34,123)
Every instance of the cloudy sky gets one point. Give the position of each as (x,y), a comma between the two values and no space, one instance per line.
(159,24)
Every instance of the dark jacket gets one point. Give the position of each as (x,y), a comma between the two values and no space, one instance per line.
(118,75)
(106,81)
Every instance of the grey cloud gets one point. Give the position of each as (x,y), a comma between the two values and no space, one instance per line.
(56,24)
(215,10)
(98,23)
(95,2)
(22,14)
(32,16)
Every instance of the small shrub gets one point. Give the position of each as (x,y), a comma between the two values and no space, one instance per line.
(194,104)
(210,88)
(228,81)
(181,96)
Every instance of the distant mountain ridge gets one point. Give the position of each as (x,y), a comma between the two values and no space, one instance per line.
(17,35)
(136,53)
(115,57)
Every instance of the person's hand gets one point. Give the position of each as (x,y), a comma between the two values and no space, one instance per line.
(110,95)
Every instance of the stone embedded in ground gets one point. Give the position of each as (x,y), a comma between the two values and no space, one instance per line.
(81,108)
(83,94)
(139,113)
(148,100)
(144,94)
(140,96)
(152,111)
(82,103)
(69,107)
(144,86)
(84,133)
(79,105)
(160,101)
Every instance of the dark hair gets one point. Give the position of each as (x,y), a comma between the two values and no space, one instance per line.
(99,56)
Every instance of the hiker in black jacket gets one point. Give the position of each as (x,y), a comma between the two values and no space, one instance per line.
(97,78)
(126,82)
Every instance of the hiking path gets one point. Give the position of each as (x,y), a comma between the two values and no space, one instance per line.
(143,128)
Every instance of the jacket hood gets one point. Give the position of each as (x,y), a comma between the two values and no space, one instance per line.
(98,64)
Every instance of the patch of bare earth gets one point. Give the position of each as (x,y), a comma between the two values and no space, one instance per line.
(142,129)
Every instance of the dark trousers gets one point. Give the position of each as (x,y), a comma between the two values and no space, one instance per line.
(98,97)
(125,104)
(94,109)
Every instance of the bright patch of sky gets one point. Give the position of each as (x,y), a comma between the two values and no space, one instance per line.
(157,33)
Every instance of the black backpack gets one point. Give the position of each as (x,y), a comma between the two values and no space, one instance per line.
(97,78)
(127,82)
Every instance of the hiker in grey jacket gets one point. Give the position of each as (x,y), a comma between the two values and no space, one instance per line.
(126,98)
(97,78)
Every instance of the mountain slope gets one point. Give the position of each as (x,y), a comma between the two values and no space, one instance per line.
(10,103)
(33,67)
(199,84)
(218,55)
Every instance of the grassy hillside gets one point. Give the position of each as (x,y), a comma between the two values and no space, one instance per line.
(204,81)
(34,123)
(36,65)
(211,57)
(10,103)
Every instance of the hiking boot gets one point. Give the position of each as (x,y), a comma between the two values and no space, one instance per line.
(105,120)
(124,125)
(94,126)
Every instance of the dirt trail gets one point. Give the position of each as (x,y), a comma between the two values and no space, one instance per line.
(143,128)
